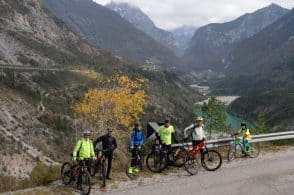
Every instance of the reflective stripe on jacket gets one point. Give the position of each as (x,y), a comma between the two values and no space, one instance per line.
(245,133)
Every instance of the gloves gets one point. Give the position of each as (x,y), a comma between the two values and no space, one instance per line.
(131,147)
(74,158)
(94,158)
(139,147)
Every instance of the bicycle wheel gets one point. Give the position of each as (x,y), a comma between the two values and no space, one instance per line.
(212,160)
(232,153)
(178,157)
(66,173)
(156,162)
(253,150)
(86,182)
(191,164)
(102,170)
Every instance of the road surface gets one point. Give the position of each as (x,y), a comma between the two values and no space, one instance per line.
(269,174)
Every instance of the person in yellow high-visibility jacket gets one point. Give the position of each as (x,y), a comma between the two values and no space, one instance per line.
(246,137)
(84,152)
(165,134)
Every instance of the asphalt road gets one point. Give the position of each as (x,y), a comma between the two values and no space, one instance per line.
(269,174)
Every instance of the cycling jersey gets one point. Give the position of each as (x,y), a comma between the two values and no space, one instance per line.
(197,132)
(165,134)
(137,137)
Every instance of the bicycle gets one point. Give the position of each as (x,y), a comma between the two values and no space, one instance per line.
(252,149)
(99,165)
(138,160)
(71,173)
(159,158)
(211,160)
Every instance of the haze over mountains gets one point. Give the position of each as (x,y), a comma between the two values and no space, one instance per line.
(212,44)
(106,29)
(141,21)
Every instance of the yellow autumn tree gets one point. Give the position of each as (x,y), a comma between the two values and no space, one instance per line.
(121,101)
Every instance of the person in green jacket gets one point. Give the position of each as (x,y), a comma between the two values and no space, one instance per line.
(245,133)
(84,152)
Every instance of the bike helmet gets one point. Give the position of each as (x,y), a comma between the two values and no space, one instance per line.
(199,118)
(87,133)
(243,124)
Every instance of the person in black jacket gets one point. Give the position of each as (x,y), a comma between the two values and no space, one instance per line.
(109,144)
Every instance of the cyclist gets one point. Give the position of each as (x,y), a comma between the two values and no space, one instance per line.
(137,139)
(246,137)
(84,151)
(109,145)
(165,134)
(198,134)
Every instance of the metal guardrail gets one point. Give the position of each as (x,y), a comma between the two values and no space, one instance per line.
(228,141)
(255,138)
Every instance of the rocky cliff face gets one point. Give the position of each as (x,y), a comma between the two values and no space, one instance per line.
(184,35)
(31,35)
(211,44)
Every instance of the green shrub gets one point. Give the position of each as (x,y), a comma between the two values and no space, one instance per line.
(41,175)
(7,183)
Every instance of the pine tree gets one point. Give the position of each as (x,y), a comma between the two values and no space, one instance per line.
(214,115)
(260,126)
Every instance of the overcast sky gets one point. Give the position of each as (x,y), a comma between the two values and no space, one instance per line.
(169,14)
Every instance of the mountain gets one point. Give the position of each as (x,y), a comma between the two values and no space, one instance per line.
(262,72)
(31,35)
(269,48)
(104,28)
(211,44)
(183,35)
(141,21)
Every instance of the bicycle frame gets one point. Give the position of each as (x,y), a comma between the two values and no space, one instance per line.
(100,157)
(195,149)
(238,142)
(78,169)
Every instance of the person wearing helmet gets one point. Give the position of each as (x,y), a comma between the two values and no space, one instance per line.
(137,139)
(197,131)
(84,151)
(109,144)
(164,133)
(245,132)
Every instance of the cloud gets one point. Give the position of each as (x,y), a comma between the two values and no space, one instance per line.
(169,14)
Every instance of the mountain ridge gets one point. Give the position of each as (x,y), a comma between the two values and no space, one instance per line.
(212,44)
(106,29)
